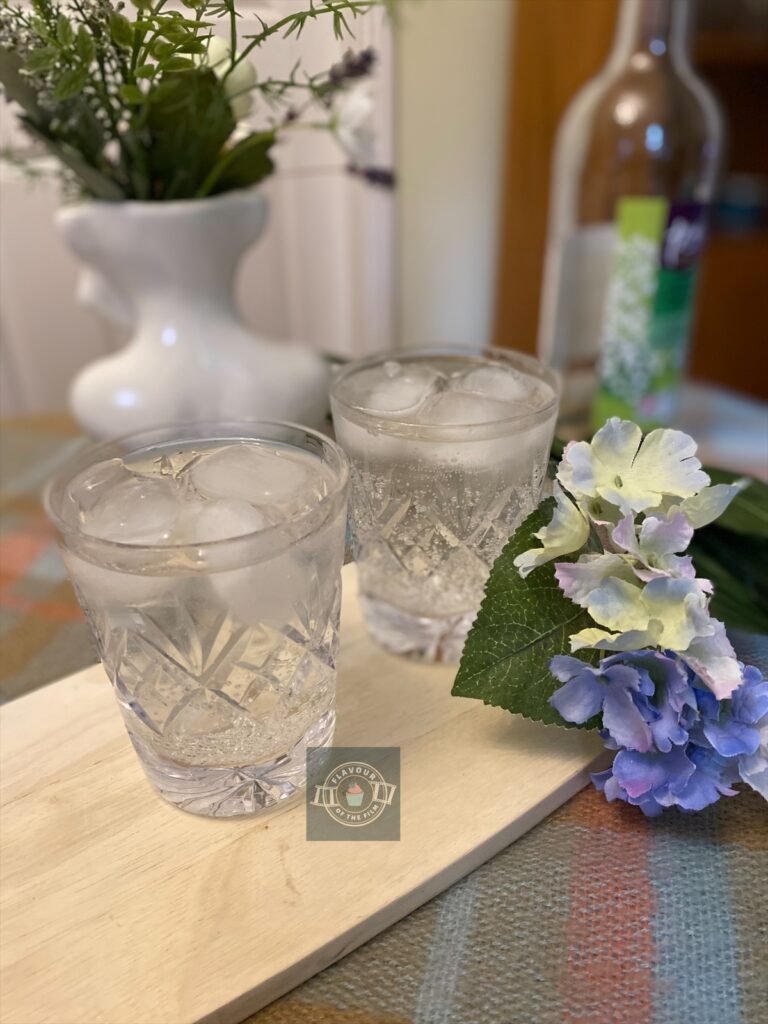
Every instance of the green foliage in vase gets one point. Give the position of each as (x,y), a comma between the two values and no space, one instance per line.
(147,103)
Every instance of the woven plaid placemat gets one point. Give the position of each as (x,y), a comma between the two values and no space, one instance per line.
(42,632)
(597,916)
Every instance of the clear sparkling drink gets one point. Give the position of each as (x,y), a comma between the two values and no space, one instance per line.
(209,568)
(448,454)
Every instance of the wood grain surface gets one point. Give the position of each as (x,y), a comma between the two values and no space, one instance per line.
(118,909)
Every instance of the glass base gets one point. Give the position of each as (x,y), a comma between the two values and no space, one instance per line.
(233,792)
(419,637)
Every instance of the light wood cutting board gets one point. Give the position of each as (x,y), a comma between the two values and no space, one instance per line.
(118,909)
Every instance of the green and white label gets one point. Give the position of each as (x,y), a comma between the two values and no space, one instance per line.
(648,310)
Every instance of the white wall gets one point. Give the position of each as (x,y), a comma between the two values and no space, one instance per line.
(451,93)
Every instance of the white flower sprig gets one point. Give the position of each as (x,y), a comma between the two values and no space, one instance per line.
(640,500)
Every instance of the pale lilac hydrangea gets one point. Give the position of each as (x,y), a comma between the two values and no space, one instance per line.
(628,506)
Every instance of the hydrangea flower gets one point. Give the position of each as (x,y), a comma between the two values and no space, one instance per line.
(740,728)
(580,579)
(614,691)
(706,506)
(669,613)
(713,659)
(621,689)
(654,545)
(567,532)
(629,471)
(686,718)
(642,499)
(689,779)
(678,745)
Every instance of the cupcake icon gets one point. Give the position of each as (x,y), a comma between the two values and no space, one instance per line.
(354,795)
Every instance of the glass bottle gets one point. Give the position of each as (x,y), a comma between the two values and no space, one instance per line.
(635,166)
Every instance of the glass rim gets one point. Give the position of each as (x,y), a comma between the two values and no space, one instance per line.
(519,360)
(201,430)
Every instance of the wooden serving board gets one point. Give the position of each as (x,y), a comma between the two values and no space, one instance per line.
(119,909)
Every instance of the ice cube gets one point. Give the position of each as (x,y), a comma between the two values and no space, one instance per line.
(112,503)
(89,487)
(267,593)
(258,475)
(171,462)
(399,390)
(137,510)
(504,384)
(460,408)
(98,587)
(261,593)
(202,522)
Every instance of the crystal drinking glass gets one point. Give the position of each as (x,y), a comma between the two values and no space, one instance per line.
(448,453)
(207,559)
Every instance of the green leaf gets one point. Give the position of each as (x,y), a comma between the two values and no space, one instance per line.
(145,71)
(70,84)
(160,49)
(737,564)
(120,30)
(748,512)
(131,94)
(557,449)
(42,59)
(522,624)
(185,123)
(64,31)
(16,86)
(86,48)
(174,32)
(177,64)
(734,601)
(192,46)
(242,166)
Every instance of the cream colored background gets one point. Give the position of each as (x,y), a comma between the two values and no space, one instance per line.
(451,82)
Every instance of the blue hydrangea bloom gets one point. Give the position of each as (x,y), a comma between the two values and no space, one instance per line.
(677,744)
(645,698)
(737,729)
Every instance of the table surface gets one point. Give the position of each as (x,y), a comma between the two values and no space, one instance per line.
(597,915)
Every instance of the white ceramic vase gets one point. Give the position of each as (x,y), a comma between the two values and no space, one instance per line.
(166,271)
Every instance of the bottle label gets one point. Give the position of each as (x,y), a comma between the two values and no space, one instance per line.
(649,304)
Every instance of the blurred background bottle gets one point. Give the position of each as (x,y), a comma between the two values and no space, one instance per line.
(635,168)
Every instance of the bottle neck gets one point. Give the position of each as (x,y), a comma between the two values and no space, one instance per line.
(653,30)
